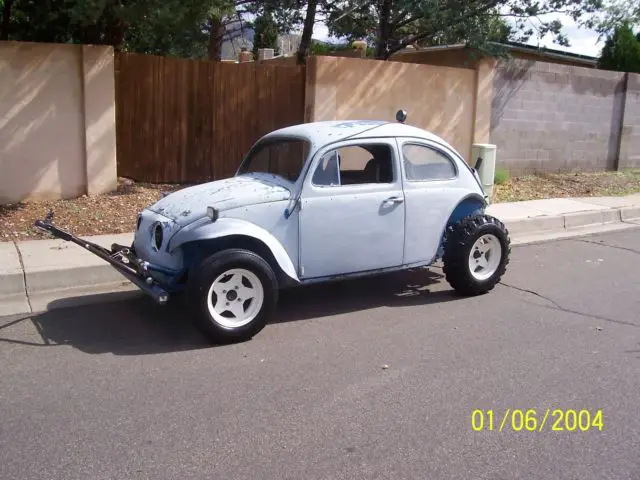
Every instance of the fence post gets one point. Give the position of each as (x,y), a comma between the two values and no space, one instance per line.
(483,98)
(99,103)
(310,78)
(620,150)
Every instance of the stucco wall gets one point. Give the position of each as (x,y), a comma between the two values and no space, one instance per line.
(439,99)
(56,112)
(554,117)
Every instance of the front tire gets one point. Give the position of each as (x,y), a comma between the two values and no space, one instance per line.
(232,295)
(476,254)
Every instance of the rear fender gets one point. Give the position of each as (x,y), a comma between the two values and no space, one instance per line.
(232,232)
(469,205)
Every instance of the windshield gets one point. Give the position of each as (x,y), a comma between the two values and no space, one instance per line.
(284,157)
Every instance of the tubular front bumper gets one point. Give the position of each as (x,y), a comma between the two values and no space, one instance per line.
(122,258)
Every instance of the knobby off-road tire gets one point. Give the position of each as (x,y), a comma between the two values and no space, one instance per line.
(231,295)
(465,254)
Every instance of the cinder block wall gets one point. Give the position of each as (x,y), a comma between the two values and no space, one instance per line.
(630,141)
(550,117)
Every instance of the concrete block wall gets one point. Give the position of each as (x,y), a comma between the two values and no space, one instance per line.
(551,117)
(630,137)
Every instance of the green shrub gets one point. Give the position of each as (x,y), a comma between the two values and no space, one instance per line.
(501,176)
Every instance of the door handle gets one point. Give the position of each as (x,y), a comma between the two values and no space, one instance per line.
(394,200)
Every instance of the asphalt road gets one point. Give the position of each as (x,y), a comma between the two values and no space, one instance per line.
(127,390)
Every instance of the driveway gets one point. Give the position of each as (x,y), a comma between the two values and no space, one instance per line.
(373,378)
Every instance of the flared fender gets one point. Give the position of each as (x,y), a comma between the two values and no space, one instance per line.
(224,227)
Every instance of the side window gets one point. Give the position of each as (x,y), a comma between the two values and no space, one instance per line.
(283,157)
(355,165)
(425,163)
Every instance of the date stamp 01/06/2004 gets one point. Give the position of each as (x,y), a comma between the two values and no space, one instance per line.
(532,420)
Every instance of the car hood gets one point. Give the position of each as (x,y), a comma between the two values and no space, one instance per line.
(189,204)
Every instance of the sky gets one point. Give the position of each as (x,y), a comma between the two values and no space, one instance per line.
(582,41)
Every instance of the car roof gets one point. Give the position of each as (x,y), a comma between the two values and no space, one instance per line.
(324,132)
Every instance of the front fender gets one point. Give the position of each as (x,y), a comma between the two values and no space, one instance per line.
(224,227)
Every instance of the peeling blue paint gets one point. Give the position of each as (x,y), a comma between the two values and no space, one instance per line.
(186,205)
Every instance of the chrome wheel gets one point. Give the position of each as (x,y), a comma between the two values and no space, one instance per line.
(235,298)
(484,258)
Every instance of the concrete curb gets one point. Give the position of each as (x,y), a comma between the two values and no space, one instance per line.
(572,220)
(13,294)
(34,274)
(629,213)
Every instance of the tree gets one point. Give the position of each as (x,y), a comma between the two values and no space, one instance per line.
(104,22)
(391,25)
(166,30)
(6,19)
(621,51)
(613,15)
(307,31)
(36,21)
(185,28)
(265,30)
(219,15)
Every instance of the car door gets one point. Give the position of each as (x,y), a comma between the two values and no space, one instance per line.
(432,191)
(352,210)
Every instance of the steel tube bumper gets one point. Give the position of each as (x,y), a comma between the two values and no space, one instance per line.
(119,257)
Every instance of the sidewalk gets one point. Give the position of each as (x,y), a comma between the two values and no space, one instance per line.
(35,273)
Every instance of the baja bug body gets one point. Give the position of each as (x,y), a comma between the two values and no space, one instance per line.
(311,203)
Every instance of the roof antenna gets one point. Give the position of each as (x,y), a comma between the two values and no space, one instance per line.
(401,116)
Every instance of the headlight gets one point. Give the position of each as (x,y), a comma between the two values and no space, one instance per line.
(158,235)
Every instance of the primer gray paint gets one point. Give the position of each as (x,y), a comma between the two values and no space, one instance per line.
(317,232)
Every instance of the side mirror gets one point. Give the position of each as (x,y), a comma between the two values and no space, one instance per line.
(401,116)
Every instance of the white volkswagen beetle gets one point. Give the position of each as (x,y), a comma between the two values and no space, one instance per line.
(312,203)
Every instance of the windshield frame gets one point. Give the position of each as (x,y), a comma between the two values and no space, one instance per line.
(271,139)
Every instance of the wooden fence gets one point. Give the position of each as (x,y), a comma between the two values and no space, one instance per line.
(184,121)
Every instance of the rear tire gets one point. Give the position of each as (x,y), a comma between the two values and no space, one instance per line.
(232,295)
(476,254)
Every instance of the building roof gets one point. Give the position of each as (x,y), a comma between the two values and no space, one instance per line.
(542,52)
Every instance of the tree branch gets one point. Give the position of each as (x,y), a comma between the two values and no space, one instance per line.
(404,23)
(408,41)
(546,12)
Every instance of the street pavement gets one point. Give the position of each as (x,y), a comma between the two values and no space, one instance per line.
(374,378)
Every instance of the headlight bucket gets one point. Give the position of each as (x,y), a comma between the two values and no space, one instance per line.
(157,236)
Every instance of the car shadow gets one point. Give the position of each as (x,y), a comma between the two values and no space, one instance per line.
(397,289)
(136,325)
